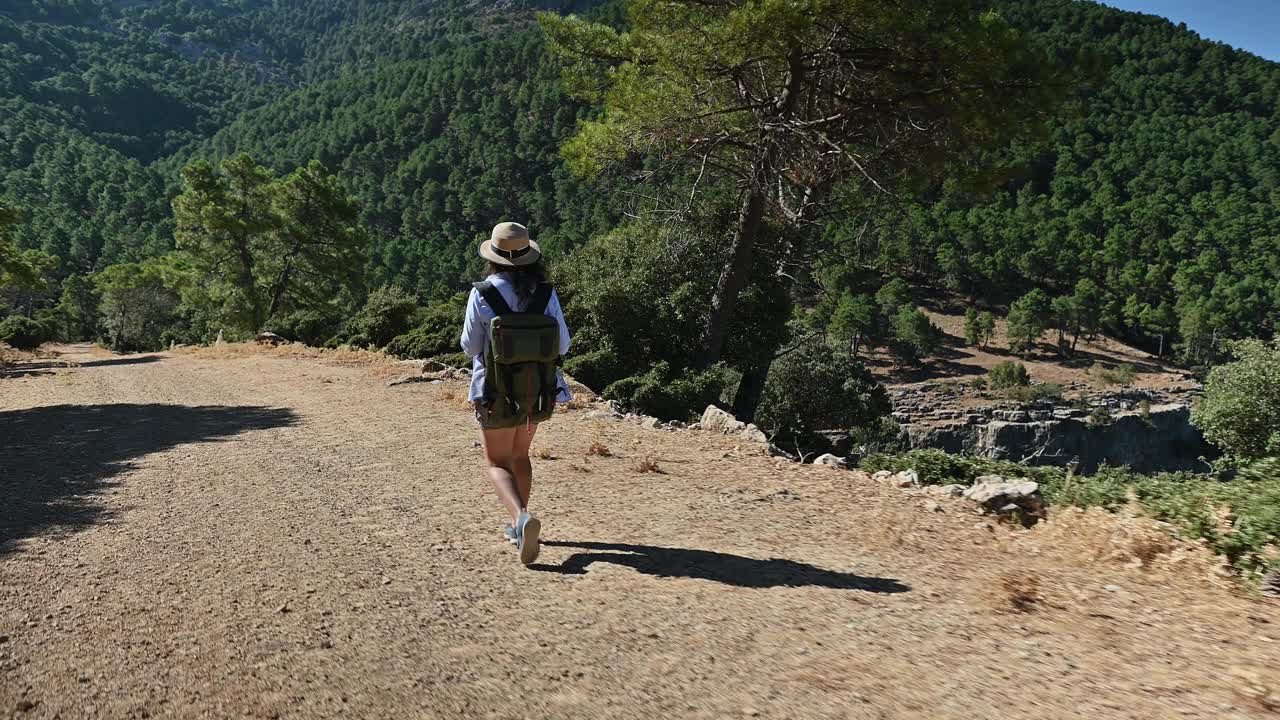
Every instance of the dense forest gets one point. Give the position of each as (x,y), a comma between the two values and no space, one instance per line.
(1143,202)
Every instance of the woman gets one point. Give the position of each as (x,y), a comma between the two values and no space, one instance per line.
(516,278)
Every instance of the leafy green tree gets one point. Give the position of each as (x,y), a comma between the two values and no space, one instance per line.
(22,332)
(783,100)
(263,245)
(853,322)
(986,327)
(914,336)
(893,295)
(16,267)
(139,306)
(816,388)
(971,333)
(79,307)
(1240,411)
(1028,318)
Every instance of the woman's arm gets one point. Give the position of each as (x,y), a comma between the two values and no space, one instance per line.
(553,310)
(474,327)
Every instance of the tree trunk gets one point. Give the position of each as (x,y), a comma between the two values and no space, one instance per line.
(277,292)
(736,271)
(750,390)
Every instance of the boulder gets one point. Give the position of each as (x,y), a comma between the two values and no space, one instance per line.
(1008,497)
(881,475)
(717,420)
(830,460)
(906,479)
(650,422)
(754,434)
(269,338)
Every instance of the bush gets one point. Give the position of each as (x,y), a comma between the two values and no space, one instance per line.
(1122,374)
(22,332)
(1008,374)
(386,314)
(310,327)
(437,333)
(815,389)
(1240,411)
(1033,393)
(668,394)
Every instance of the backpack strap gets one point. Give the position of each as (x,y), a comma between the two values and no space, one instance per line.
(541,298)
(491,295)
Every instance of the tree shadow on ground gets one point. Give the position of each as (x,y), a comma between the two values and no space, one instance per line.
(58,459)
(45,367)
(715,566)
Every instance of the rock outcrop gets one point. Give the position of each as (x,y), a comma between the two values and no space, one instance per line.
(1147,430)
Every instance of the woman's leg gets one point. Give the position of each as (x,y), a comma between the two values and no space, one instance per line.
(521,466)
(498,452)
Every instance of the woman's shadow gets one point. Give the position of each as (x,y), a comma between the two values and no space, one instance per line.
(715,566)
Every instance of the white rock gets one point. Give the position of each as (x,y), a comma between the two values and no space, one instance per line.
(830,460)
(754,434)
(881,475)
(906,479)
(933,506)
(650,422)
(717,420)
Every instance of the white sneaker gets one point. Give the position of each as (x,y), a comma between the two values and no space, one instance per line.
(527,529)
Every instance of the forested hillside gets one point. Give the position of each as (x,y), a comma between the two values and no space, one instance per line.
(1149,207)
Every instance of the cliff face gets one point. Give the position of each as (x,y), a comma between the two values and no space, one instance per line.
(1121,428)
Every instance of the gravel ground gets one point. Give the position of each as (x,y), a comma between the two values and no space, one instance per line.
(192,535)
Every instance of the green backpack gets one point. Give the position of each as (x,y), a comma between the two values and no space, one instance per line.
(520,359)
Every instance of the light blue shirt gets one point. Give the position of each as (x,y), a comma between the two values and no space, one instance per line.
(475,332)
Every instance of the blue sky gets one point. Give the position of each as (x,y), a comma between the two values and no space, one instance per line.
(1252,25)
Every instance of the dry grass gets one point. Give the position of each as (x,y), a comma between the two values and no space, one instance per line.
(1019,592)
(599,449)
(382,365)
(648,464)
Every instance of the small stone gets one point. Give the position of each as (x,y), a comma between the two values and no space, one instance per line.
(386,580)
(750,712)
(283,608)
(829,460)
(1112,588)
(25,705)
(933,506)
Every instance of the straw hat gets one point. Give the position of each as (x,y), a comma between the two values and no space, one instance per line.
(509,244)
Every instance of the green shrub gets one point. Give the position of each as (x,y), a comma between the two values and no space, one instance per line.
(386,314)
(815,388)
(596,369)
(1122,374)
(22,332)
(310,327)
(436,334)
(668,394)
(1033,393)
(1100,417)
(1008,374)
(455,360)
(1240,411)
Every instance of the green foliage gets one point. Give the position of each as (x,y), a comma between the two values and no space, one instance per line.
(22,332)
(312,326)
(79,308)
(814,388)
(971,332)
(436,335)
(1122,374)
(986,327)
(1033,393)
(667,393)
(139,306)
(1240,410)
(1028,318)
(853,322)
(1008,374)
(914,336)
(387,314)
(263,246)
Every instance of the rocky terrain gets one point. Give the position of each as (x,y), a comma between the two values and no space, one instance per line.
(1147,429)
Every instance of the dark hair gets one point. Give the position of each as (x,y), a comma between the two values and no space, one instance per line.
(526,278)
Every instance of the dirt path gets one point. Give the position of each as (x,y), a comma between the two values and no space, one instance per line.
(185,536)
